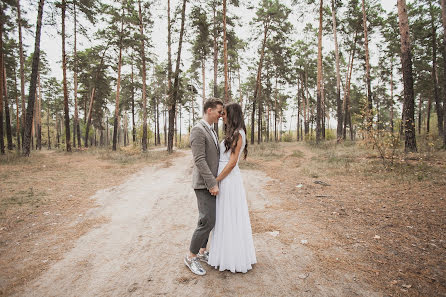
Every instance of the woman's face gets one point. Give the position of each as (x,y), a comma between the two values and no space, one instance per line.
(224,116)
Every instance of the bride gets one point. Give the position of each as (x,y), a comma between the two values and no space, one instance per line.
(232,246)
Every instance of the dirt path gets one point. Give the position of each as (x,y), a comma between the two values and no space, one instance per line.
(139,251)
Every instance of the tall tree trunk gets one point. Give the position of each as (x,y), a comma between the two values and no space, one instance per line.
(367,67)
(438,107)
(17,110)
(347,115)
(259,117)
(38,115)
(6,103)
(276,135)
(225,54)
(133,108)
(338,76)
(203,78)
(22,68)
(323,111)
(319,77)
(298,110)
(443,18)
(2,96)
(32,86)
(48,124)
(157,131)
(76,108)
(57,130)
(174,99)
(118,85)
(214,10)
(65,88)
(107,139)
(410,144)
(420,104)
(391,96)
(144,99)
(125,129)
(259,75)
(169,74)
(165,126)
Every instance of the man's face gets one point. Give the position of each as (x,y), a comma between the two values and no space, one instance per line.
(215,114)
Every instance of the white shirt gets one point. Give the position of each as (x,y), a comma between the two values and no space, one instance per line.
(212,131)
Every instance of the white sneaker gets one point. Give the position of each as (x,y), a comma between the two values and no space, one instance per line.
(194,265)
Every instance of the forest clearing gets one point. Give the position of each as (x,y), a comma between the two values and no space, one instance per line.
(327,221)
(344,104)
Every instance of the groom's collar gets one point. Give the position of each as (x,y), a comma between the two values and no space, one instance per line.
(206,123)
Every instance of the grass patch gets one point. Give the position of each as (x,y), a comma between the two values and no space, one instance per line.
(297,154)
(29,197)
(13,158)
(266,151)
(348,157)
(128,155)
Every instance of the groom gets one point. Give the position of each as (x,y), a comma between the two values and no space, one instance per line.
(205,150)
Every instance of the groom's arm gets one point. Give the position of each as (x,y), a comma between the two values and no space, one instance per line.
(198,145)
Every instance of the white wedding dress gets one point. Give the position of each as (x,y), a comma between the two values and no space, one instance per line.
(232,246)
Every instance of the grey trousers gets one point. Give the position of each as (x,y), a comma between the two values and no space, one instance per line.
(206,220)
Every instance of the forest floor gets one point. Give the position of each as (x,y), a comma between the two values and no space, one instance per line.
(327,221)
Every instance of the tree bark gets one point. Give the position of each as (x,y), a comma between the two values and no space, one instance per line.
(38,115)
(338,76)
(347,116)
(391,96)
(2,140)
(32,86)
(17,111)
(48,124)
(65,89)
(22,69)
(7,113)
(319,77)
(203,78)
(215,51)
(118,85)
(410,144)
(169,73)
(438,107)
(144,99)
(367,66)
(259,75)
(443,18)
(225,54)
(174,99)
(133,108)
(76,109)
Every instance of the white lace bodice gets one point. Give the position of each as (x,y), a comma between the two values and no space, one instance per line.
(224,156)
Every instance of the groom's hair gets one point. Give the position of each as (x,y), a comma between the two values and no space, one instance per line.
(211,103)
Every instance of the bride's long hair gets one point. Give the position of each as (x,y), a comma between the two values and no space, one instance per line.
(234,122)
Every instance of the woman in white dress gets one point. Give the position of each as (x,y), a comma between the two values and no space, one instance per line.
(232,246)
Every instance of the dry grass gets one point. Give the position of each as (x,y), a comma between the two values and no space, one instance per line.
(387,225)
(43,201)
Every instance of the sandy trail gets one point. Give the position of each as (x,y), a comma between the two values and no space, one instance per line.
(139,251)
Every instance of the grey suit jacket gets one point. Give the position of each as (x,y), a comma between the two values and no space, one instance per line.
(206,156)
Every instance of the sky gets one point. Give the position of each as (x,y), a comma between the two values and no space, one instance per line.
(51,41)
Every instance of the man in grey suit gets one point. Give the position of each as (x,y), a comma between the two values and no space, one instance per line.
(206,153)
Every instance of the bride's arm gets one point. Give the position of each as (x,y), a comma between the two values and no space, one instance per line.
(232,160)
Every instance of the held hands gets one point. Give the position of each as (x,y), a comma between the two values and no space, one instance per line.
(214,190)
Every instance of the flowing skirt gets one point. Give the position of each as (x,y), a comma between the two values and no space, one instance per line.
(232,246)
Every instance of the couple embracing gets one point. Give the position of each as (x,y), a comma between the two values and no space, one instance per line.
(220,193)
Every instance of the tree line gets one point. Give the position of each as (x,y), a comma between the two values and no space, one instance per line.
(347,60)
